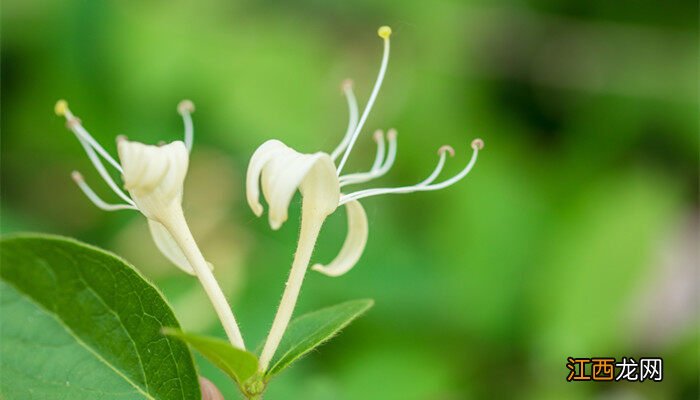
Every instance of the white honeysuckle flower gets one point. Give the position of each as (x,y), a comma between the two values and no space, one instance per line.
(281,170)
(153,176)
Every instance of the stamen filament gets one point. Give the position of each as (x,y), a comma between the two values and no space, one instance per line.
(94,198)
(442,152)
(185,108)
(352,119)
(378,172)
(477,144)
(378,160)
(405,189)
(91,146)
(424,185)
(384,32)
(391,156)
(73,123)
(103,171)
(82,133)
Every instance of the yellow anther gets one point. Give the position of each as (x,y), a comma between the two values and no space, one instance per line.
(384,32)
(60,108)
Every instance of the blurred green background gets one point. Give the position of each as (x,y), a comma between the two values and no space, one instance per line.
(575,235)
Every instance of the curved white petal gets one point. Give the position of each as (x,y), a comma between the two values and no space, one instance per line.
(354,243)
(262,155)
(167,245)
(282,170)
(154,175)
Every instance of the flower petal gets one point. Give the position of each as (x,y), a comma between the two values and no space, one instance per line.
(354,244)
(262,155)
(282,171)
(154,175)
(167,245)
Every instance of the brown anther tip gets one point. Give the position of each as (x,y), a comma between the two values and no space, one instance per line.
(378,135)
(185,106)
(76,176)
(391,135)
(477,144)
(446,148)
(72,121)
(347,84)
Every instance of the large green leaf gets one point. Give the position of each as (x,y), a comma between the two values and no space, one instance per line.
(80,323)
(313,329)
(238,364)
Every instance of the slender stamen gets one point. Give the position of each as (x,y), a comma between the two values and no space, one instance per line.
(406,189)
(378,160)
(424,185)
(391,156)
(103,171)
(90,146)
(384,32)
(352,119)
(73,123)
(442,152)
(378,172)
(186,108)
(477,144)
(94,198)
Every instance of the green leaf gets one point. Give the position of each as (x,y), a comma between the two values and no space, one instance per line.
(79,323)
(313,329)
(237,363)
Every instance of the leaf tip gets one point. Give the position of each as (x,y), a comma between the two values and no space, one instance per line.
(366,304)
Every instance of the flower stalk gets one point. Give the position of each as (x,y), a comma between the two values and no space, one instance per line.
(311,222)
(180,231)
